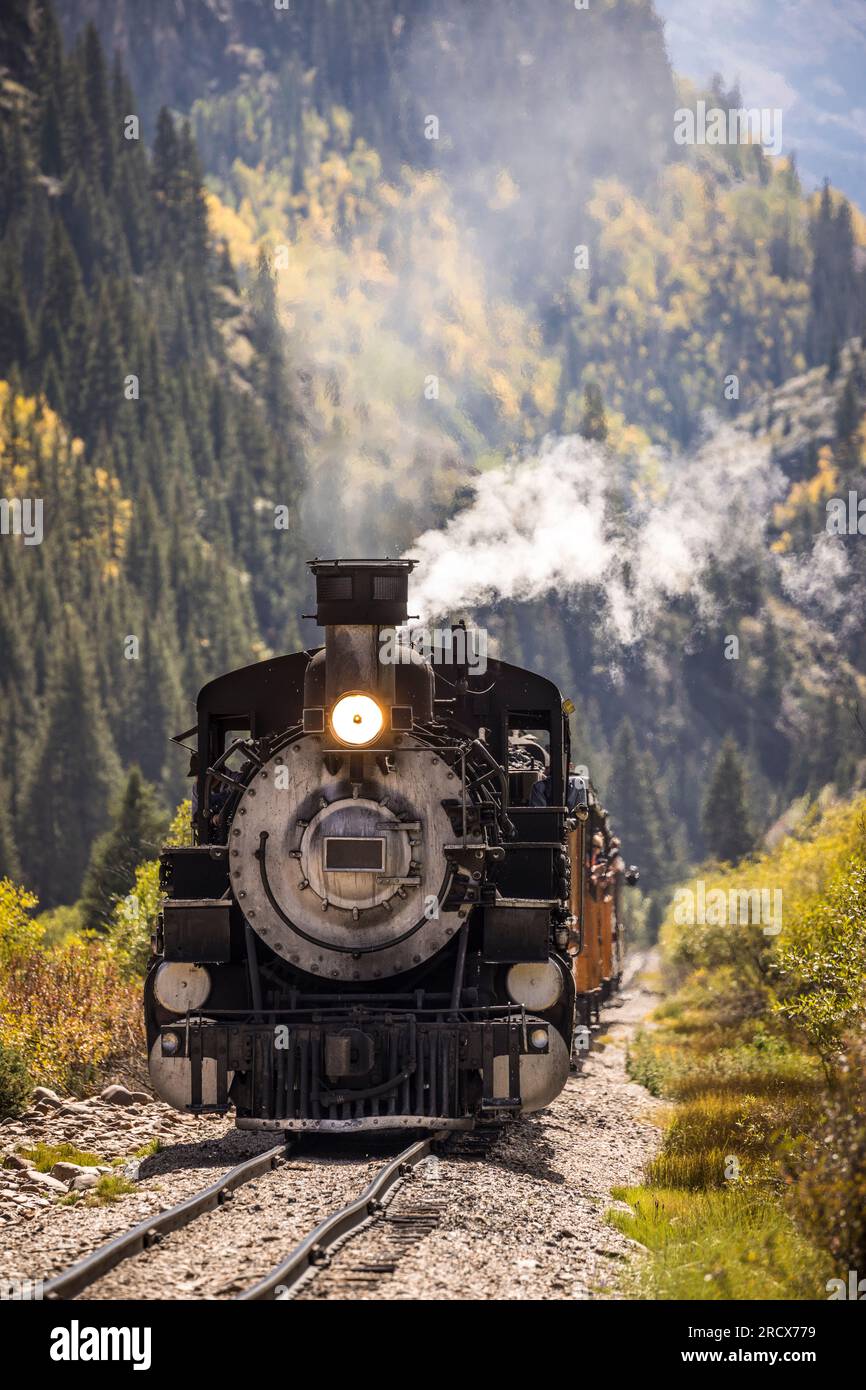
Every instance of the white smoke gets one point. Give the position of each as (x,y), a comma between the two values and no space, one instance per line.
(817,581)
(573,517)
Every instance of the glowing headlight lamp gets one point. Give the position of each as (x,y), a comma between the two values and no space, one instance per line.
(356,719)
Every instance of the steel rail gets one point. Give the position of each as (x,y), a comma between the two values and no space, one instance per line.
(311,1251)
(70,1282)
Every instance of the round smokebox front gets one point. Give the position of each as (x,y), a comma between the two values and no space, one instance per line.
(343,885)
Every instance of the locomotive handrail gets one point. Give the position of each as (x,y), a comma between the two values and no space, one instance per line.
(534,844)
(491,1010)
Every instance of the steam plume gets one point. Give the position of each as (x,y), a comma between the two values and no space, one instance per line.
(565,520)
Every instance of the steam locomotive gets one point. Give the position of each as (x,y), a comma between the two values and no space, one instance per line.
(401,908)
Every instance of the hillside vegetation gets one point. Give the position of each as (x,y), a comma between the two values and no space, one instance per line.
(760,1187)
(70,996)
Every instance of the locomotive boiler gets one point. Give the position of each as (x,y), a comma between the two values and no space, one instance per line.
(401,907)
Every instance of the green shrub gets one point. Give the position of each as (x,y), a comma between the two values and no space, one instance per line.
(829,1169)
(110,1188)
(44,1156)
(823,966)
(59,925)
(135,915)
(645,1065)
(15,1082)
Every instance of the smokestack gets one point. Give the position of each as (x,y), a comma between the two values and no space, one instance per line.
(355,599)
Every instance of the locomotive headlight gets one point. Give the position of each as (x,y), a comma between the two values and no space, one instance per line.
(356,719)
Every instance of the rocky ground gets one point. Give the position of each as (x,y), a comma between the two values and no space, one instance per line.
(47,1220)
(450,1231)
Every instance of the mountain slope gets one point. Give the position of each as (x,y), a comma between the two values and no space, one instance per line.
(156,447)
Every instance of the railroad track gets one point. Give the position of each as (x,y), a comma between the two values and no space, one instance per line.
(304,1259)
(359,1269)
(313,1251)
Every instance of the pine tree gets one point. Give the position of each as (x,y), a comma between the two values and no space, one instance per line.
(61,290)
(135,835)
(792,175)
(848,414)
(633,801)
(10,862)
(192,206)
(51,140)
(593,423)
(49,52)
(267,339)
(833,753)
(16,333)
(725,819)
(71,776)
(99,103)
(149,689)
(102,385)
(834,287)
(13,169)
(17,39)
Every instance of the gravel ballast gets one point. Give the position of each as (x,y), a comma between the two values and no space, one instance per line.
(527,1221)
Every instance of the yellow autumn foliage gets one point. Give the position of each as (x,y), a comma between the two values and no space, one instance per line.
(799,516)
(65,1009)
(39,457)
